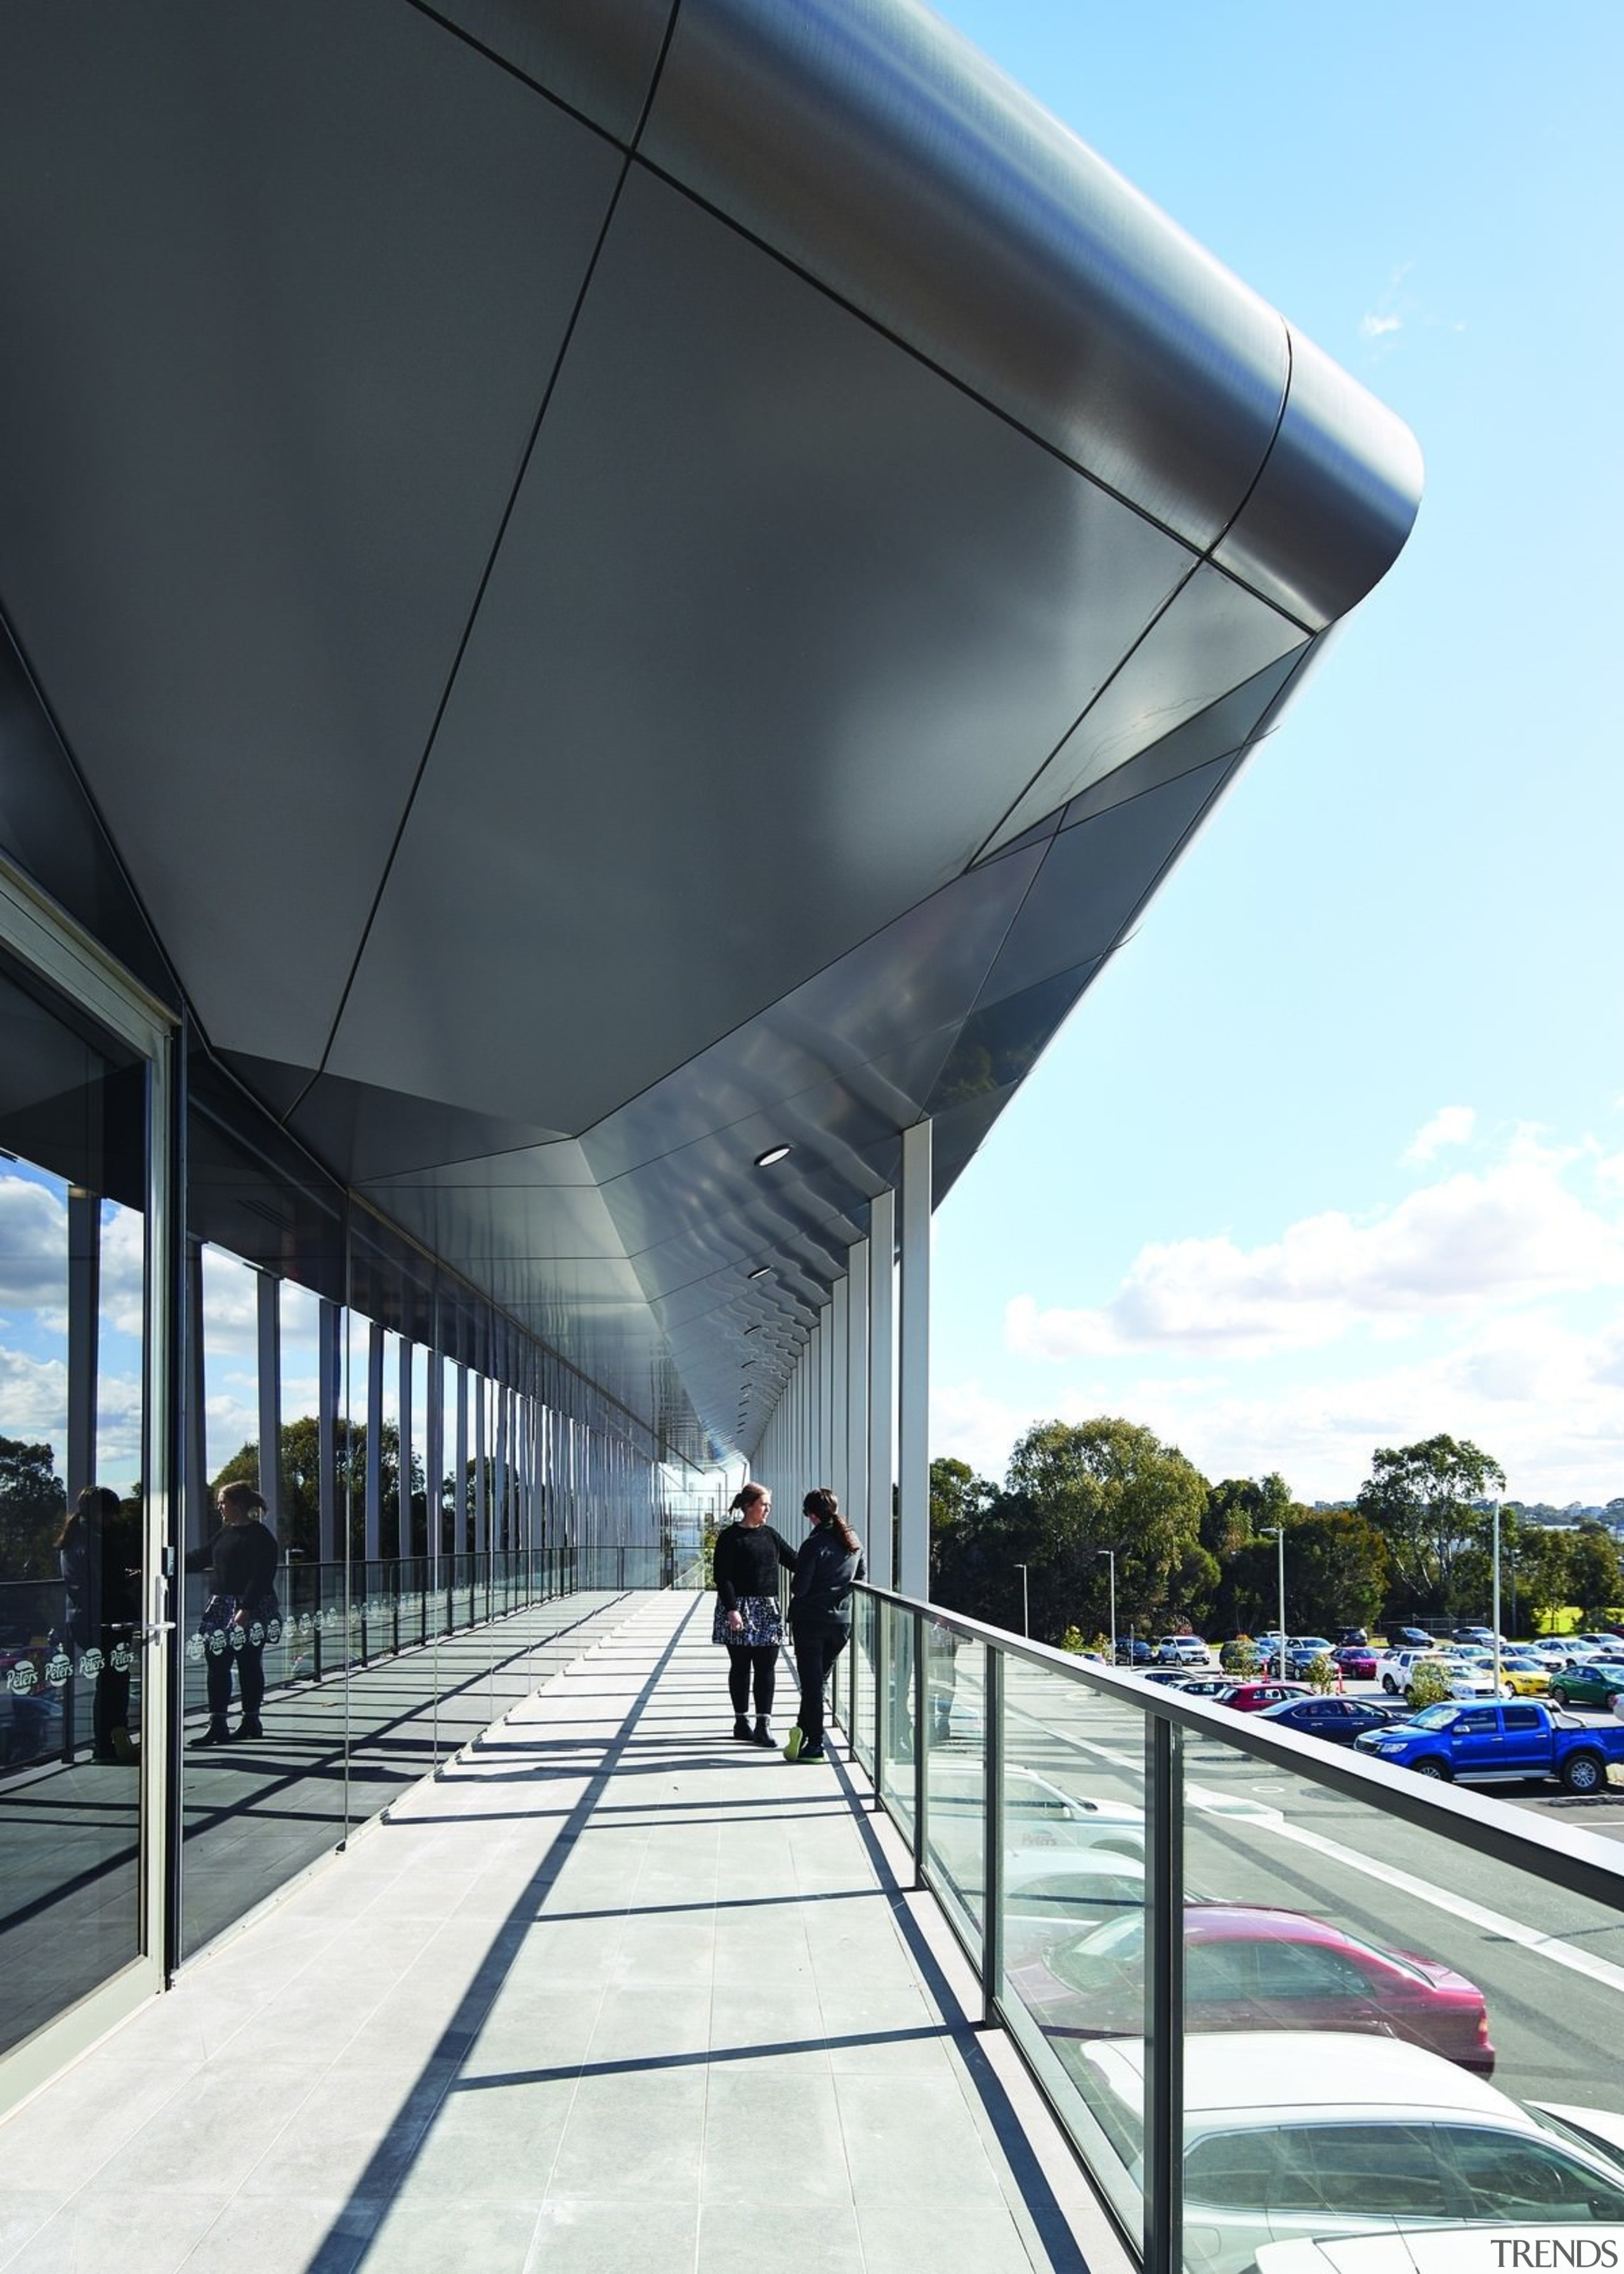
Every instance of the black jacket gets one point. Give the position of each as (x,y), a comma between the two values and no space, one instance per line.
(241,1561)
(746,1563)
(825,1569)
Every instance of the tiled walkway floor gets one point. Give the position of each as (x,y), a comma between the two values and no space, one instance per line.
(614,1992)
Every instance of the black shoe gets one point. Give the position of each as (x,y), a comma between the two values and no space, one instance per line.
(216,1734)
(741,1728)
(762,1734)
(248,1729)
(812,1753)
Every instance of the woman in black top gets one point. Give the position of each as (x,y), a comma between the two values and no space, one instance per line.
(240,1559)
(745,1568)
(820,1613)
(98,1560)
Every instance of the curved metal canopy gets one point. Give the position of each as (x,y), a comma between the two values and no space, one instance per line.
(629,585)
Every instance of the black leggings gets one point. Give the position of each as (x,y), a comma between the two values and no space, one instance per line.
(743,1660)
(250,1663)
(817,1649)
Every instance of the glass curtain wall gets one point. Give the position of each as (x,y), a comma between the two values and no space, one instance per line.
(75,1697)
(427,1475)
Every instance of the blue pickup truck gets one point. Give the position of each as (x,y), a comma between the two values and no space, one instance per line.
(1489,1744)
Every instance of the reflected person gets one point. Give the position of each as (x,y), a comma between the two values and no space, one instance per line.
(827,1566)
(96,1556)
(241,1559)
(749,1556)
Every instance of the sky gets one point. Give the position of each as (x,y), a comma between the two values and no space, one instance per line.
(1332,1155)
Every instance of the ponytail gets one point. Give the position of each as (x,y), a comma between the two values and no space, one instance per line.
(822,1504)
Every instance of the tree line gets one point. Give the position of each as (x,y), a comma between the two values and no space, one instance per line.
(1415,1543)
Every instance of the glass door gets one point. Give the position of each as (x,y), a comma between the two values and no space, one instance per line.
(83,1489)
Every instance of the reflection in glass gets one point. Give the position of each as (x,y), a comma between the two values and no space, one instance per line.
(73,1264)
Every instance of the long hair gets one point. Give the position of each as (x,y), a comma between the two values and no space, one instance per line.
(94,1503)
(822,1503)
(747,1496)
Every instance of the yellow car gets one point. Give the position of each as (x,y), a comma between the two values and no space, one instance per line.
(1527,1676)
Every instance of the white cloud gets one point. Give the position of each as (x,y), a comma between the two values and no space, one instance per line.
(33,1248)
(34,1396)
(1506,1235)
(1375,326)
(1451,1124)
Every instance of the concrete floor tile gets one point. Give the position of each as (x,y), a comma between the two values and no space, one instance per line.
(893,2031)
(213,2129)
(103,2227)
(975,2239)
(416,2234)
(823,2236)
(610,2235)
(773,2140)
(636,2024)
(23,2212)
(915,2145)
(625,2138)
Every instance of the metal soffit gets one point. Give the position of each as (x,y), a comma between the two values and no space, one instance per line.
(708,559)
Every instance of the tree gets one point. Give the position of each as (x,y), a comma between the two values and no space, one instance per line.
(957,1496)
(1073,1489)
(1543,1576)
(1337,1570)
(1422,1499)
(33,1504)
(1593,1572)
(301,1483)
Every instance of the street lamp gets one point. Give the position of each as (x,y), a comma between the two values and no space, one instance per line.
(1026,1616)
(1111,1553)
(1277,1531)
(1498,1676)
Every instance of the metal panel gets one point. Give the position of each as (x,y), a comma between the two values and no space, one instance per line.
(600,61)
(862,612)
(888,159)
(1213,637)
(284,288)
(1336,500)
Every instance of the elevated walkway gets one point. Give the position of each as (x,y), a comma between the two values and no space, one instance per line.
(609,1993)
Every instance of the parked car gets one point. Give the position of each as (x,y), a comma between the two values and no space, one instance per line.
(1352,1637)
(1292,2136)
(1527,1676)
(1393,1668)
(1301,1651)
(1488,1744)
(1168,1677)
(1357,1660)
(1080,1885)
(1248,1966)
(1597,1684)
(1253,1696)
(1133,1651)
(1204,1685)
(1484,1636)
(1037,1813)
(1182,1650)
(1409,1638)
(1468,1677)
(1338,1719)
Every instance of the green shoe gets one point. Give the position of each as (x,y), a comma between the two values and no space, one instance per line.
(792,1744)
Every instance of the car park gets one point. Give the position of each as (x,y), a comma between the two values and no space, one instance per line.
(1292,2136)
(1499,1744)
(1597,1684)
(1339,1720)
(1246,1967)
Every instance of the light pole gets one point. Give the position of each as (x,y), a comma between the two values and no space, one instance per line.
(1496,1618)
(1277,1531)
(1026,1615)
(1110,1553)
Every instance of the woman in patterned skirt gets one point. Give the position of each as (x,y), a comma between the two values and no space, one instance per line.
(746,1566)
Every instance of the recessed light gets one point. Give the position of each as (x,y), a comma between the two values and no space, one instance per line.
(773,1153)
(760,1272)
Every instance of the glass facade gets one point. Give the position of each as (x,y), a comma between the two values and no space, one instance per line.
(178,1739)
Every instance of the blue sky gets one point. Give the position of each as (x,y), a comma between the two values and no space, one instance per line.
(1408,907)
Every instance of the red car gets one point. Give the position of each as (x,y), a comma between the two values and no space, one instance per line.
(1251,1697)
(1247,1966)
(1357,1661)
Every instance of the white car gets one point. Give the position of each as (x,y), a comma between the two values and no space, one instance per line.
(1077,1887)
(1037,1815)
(1182,1650)
(1295,2135)
(1393,1668)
